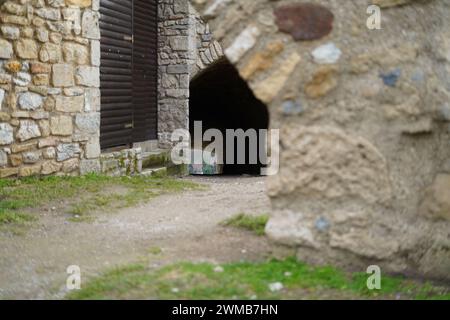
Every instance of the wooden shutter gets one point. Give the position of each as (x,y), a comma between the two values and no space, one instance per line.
(145,70)
(128,71)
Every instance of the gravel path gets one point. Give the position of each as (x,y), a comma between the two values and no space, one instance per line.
(185,226)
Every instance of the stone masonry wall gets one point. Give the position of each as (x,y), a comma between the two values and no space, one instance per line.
(365,125)
(186,46)
(49,87)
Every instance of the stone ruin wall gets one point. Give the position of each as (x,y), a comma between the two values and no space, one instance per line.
(49,87)
(186,47)
(365,125)
(49,84)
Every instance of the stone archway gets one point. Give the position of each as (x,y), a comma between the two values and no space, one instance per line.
(222,100)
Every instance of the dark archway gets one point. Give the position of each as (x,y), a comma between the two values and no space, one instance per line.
(222,100)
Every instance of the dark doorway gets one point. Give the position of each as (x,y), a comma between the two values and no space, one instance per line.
(128,72)
(222,100)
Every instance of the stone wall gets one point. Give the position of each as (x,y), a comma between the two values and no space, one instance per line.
(365,125)
(49,82)
(186,46)
(49,87)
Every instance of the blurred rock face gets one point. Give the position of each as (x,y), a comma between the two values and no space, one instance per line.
(365,161)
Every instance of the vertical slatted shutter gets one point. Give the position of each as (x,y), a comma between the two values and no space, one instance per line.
(128,72)
(145,70)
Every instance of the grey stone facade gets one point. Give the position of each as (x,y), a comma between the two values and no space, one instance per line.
(186,46)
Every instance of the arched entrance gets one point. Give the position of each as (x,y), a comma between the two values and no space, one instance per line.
(222,100)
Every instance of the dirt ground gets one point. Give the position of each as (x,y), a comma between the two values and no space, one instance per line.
(184,226)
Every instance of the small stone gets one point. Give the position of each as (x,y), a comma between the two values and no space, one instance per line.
(61,125)
(75,53)
(6,49)
(30,101)
(16,148)
(79,3)
(93,148)
(37,67)
(391,78)
(90,25)
(90,166)
(88,76)
(275,287)
(2,96)
(242,44)
(42,35)
(8,172)
(31,157)
(27,49)
(261,61)
(16,160)
(88,123)
(49,153)
(324,81)
(47,142)
(67,150)
(28,130)
(71,165)
(50,53)
(41,80)
(49,167)
(219,269)
(6,134)
(292,108)
(327,54)
(3,158)
(49,14)
(22,79)
(69,104)
(269,88)
(30,171)
(13,66)
(11,33)
(62,75)
(304,21)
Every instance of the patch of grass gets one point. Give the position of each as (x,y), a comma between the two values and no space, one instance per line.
(246,281)
(84,194)
(256,224)
(7,217)
(155,251)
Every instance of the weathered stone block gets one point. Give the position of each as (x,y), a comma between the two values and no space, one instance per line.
(61,125)
(63,75)
(28,130)
(88,76)
(66,151)
(27,49)
(49,167)
(6,49)
(90,25)
(30,101)
(304,21)
(75,53)
(69,104)
(8,172)
(6,134)
(88,123)
(50,53)
(90,166)
(31,157)
(30,170)
(79,3)
(71,165)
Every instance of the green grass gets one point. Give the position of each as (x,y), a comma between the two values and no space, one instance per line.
(82,195)
(256,224)
(248,281)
